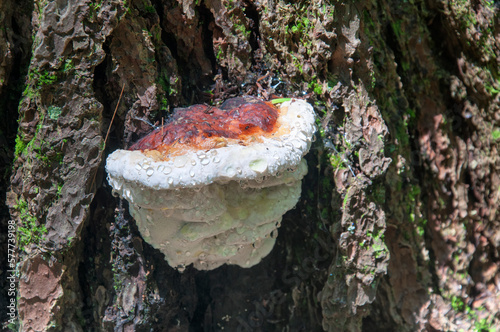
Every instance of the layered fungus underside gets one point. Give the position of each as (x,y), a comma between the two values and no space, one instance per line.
(217,224)
(208,196)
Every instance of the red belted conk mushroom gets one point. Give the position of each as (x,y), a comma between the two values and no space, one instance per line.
(210,187)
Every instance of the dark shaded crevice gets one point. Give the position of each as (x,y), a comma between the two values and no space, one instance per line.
(253,15)
(170,42)
(372,325)
(12,92)
(105,92)
(206,20)
(405,102)
(204,299)
(393,44)
(94,238)
(168,39)
(175,289)
(445,47)
(96,260)
(102,89)
(188,68)
(101,80)
(95,235)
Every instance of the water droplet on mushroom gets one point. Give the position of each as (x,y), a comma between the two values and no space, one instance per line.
(216,160)
(205,161)
(145,163)
(138,167)
(160,168)
(191,173)
(238,169)
(193,162)
(276,156)
(167,170)
(258,165)
(274,234)
(150,171)
(230,171)
(201,154)
(180,161)
(170,180)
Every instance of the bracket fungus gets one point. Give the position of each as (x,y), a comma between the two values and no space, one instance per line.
(211,186)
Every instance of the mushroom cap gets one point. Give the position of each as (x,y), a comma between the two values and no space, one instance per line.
(267,155)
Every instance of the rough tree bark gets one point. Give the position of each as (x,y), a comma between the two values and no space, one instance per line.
(398,225)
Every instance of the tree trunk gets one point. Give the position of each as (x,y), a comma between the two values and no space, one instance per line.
(398,225)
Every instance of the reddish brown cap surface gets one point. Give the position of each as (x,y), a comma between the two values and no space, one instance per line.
(205,127)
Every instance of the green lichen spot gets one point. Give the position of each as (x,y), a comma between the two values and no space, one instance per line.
(54,112)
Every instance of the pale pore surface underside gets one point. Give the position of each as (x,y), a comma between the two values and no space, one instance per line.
(233,222)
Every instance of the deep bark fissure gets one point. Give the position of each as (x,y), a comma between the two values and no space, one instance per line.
(252,13)
(91,274)
(104,86)
(198,320)
(206,20)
